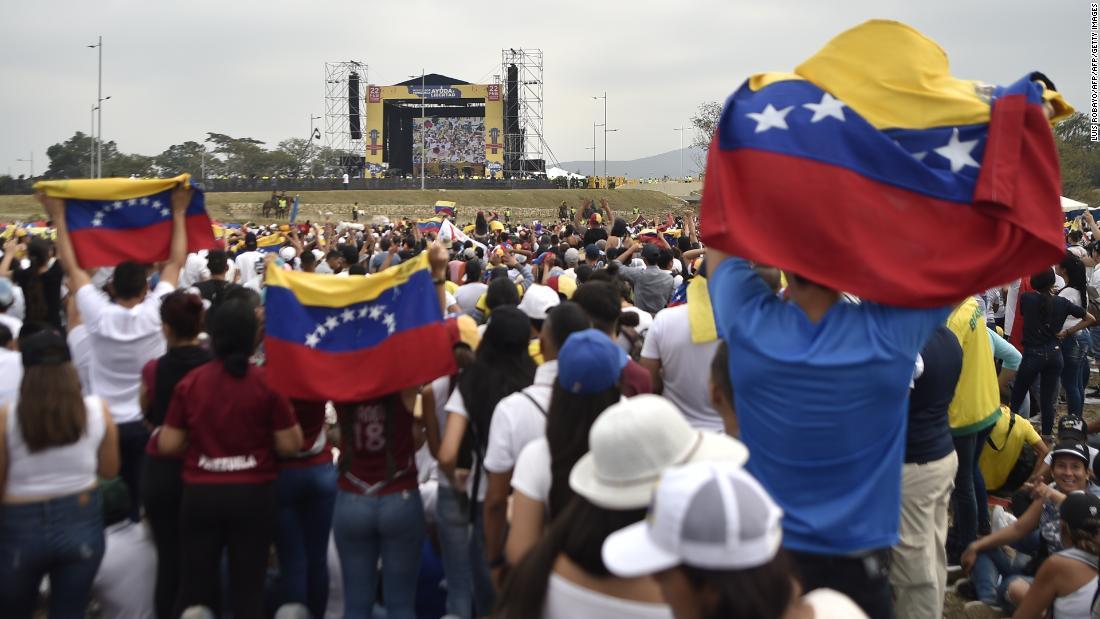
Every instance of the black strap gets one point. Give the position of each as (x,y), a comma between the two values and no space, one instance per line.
(533,401)
(989,439)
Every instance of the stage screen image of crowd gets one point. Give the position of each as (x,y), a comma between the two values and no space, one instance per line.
(454,146)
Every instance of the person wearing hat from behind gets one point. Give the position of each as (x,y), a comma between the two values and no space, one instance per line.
(1067,580)
(629,445)
(997,579)
(536,302)
(712,541)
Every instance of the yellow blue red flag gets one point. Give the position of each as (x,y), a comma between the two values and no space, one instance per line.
(354,338)
(890,169)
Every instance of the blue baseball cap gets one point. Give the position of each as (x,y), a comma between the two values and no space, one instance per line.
(589,362)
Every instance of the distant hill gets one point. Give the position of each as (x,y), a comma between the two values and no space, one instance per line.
(656,166)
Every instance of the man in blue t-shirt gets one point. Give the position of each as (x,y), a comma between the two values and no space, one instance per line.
(822,394)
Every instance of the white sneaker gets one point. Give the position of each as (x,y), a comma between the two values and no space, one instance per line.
(981,610)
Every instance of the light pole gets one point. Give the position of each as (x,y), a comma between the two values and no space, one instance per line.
(31,161)
(423,148)
(594,125)
(681,129)
(605,132)
(99,102)
(91,145)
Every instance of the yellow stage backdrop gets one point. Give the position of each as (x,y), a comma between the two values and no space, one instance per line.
(494,117)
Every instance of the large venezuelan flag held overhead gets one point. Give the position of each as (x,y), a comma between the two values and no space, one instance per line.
(354,338)
(112,220)
(872,170)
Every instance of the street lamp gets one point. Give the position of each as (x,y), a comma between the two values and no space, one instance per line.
(593,149)
(99,102)
(423,147)
(605,132)
(681,129)
(31,161)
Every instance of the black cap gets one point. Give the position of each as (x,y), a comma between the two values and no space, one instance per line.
(1081,511)
(46,347)
(1072,448)
(1072,427)
(650,252)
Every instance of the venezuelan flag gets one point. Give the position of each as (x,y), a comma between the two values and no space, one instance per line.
(892,167)
(445,208)
(429,225)
(652,237)
(113,220)
(270,243)
(354,338)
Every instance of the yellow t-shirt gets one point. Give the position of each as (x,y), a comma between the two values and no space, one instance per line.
(534,348)
(977,401)
(996,464)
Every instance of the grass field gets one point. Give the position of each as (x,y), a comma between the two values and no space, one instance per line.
(525,205)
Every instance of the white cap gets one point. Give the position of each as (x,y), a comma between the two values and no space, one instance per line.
(633,442)
(710,515)
(287,253)
(538,300)
(572,256)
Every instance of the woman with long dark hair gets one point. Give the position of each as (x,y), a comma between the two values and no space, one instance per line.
(1075,347)
(1044,315)
(54,443)
(502,366)
(181,315)
(230,426)
(40,281)
(712,541)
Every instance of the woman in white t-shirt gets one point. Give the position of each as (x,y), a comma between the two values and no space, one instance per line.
(1075,347)
(54,443)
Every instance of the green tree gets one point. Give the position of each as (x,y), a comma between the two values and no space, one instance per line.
(186,157)
(71,158)
(1078,155)
(244,157)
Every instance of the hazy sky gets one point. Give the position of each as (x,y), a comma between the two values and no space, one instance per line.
(176,69)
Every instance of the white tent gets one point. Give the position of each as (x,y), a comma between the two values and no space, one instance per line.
(1072,205)
(558,173)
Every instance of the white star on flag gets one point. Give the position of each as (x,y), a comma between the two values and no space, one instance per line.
(143,201)
(156,203)
(770,117)
(117,205)
(958,152)
(312,340)
(321,330)
(131,202)
(165,212)
(348,315)
(828,107)
(391,323)
(363,311)
(332,322)
(376,312)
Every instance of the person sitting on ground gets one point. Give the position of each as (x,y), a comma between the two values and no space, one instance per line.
(712,541)
(992,571)
(1067,581)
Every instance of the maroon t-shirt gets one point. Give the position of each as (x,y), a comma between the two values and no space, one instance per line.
(635,379)
(230,423)
(369,443)
(311,416)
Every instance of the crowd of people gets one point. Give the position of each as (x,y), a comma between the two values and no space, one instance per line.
(638,427)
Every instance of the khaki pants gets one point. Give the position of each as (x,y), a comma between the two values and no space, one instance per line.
(918,573)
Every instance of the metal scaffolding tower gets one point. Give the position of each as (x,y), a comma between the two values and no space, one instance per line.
(345,112)
(523,111)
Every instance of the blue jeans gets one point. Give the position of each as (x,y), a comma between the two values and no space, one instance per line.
(368,527)
(470,591)
(1044,363)
(62,538)
(994,570)
(969,500)
(306,499)
(1075,360)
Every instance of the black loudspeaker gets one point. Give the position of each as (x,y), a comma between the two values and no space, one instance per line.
(353,106)
(513,141)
